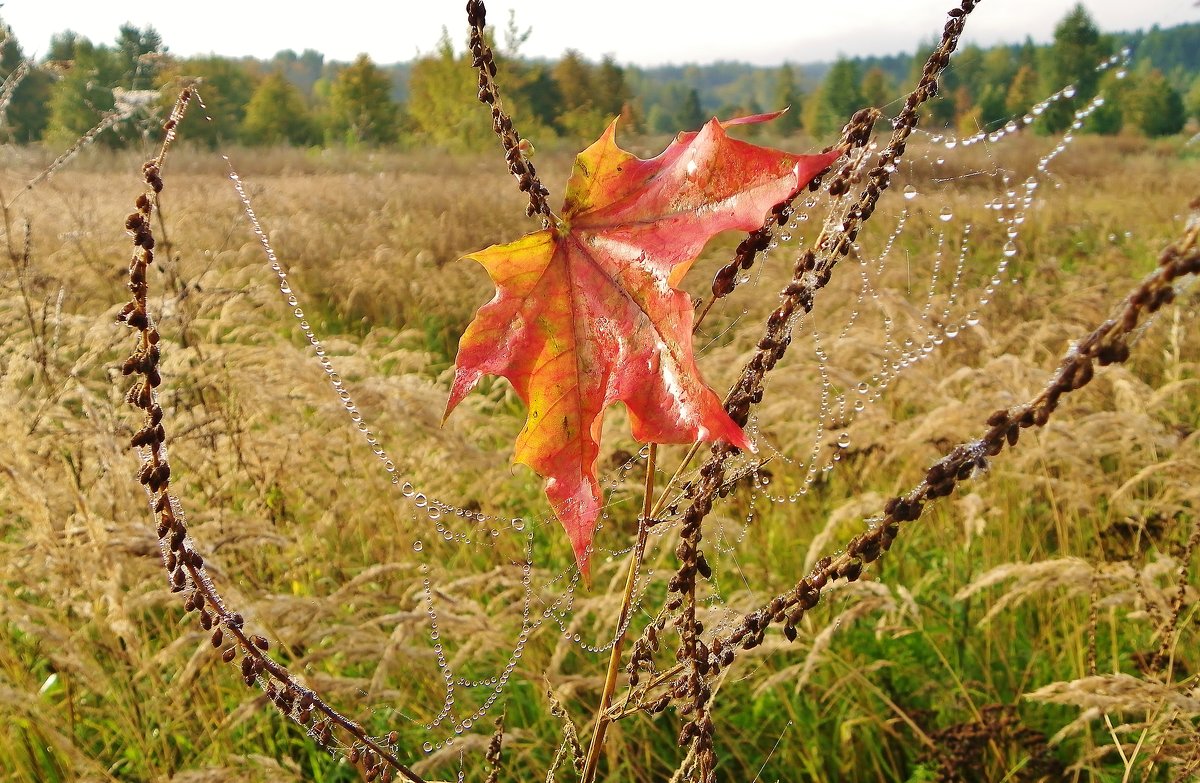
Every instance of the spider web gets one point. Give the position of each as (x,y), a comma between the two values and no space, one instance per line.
(801,440)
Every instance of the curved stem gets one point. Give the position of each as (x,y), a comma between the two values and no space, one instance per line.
(614,658)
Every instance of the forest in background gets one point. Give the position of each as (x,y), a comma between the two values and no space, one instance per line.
(302,99)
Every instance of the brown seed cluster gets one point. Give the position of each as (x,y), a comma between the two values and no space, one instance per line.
(701,662)
(961,751)
(857,134)
(1169,628)
(570,745)
(725,280)
(155,474)
(493,756)
(484,62)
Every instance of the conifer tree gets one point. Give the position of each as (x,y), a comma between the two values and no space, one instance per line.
(27,113)
(1078,48)
(787,95)
(839,97)
(81,98)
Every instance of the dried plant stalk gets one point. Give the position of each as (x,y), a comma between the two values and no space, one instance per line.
(493,756)
(184,564)
(813,272)
(484,62)
(691,681)
(1107,344)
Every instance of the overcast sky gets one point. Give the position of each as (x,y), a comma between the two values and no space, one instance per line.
(645,32)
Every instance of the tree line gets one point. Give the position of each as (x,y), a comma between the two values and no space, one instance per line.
(300,99)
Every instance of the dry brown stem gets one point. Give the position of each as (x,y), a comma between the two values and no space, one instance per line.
(813,271)
(484,61)
(1108,343)
(184,564)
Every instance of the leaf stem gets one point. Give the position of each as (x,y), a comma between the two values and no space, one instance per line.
(614,658)
(683,466)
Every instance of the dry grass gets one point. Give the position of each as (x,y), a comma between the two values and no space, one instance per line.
(1081,528)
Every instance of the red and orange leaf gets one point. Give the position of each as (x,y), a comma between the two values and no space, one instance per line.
(587,313)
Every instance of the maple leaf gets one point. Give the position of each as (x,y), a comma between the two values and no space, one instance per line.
(588,313)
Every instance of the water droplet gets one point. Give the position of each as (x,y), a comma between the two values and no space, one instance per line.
(518,523)
(418,546)
(843,440)
(946,214)
(951,143)
(972,318)
(1069,91)
(910,192)
(1010,249)
(427,747)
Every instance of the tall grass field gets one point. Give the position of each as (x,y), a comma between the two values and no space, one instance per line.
(1034,619)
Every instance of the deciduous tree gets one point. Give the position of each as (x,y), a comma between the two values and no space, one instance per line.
(440,105)
(277,114)
(1078,48)
(226,86)
(361,109)
(1153,106)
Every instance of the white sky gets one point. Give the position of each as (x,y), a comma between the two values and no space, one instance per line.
(644,32)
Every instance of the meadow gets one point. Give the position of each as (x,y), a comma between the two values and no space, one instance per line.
(1037,624)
